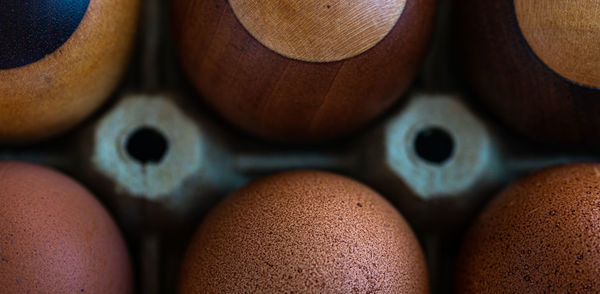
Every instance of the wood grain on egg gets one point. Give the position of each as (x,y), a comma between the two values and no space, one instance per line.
(536,65)
(540,235)
(224,49)
(317,30)
(46,91)
(304,232)
(55,237)
(565,35)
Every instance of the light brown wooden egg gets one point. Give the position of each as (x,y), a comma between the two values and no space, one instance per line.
(540,235)
(302,71)
(55,237)
(536,64)
(59,60)
(304,232)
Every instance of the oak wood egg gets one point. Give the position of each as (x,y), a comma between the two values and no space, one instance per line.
(59,60)
(302,71)
(536,64)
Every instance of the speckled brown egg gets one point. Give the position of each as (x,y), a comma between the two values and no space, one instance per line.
(540,235)
(55,237)
(304,232)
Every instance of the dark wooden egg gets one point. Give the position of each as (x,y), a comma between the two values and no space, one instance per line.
(58,61)
(536,64)
(302,71)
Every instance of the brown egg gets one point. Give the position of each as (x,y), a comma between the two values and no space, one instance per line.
(302,71)
(540,235)
(59,60)
(304,232)
(536,64)
(55,237)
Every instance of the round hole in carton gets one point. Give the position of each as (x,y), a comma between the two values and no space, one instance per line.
(434,145)
(147,145)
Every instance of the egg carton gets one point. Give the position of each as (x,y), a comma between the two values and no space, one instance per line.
(159,160)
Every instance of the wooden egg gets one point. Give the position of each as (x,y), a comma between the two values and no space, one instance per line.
(59,60)
(540,235)
(55,237)
(302,71)
(304,232)
(536,64)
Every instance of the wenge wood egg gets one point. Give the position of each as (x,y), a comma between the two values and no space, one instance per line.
(59,60)
(304,232)
(301,71)
(536,64)
(540,235)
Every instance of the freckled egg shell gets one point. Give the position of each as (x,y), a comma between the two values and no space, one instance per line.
(541,234)
(55,237)
(307,232)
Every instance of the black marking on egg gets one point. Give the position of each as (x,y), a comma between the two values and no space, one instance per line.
(31,30)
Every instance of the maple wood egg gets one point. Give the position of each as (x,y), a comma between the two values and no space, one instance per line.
(59,60)
(536,65)
(304,232)
(302,71)
(540,235)
(55,237)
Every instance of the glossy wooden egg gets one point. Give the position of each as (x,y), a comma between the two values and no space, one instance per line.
(536,64)
(59,60)
(540,235)
(304,232)
(55,237)
(302,71)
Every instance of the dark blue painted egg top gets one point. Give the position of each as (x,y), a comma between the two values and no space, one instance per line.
(32,29)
